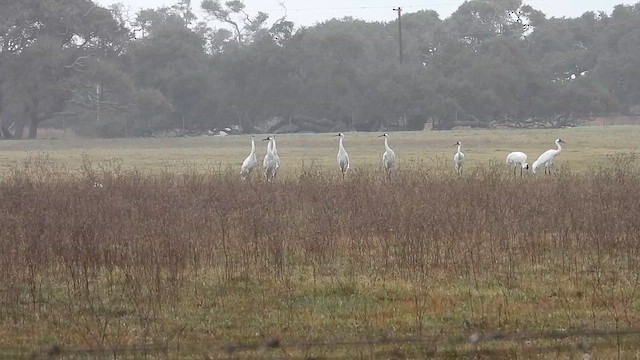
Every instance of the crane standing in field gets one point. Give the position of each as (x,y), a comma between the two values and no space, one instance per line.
(343,157)
(250,162)
(275,153)
(388,158)
(269,163)
(458,159)
(547,157)
(517,158)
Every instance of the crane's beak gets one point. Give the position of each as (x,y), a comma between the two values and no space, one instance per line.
(380,135)
(266,139)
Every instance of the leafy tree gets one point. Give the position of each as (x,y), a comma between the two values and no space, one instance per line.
(172,60)
(618,55)
(244,28)
(493,62)
(49,48)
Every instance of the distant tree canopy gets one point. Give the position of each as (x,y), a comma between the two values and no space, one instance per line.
(497,62)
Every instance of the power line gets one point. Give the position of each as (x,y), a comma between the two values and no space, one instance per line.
(399,10)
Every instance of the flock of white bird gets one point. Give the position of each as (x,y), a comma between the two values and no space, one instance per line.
(545,160)
(271,162)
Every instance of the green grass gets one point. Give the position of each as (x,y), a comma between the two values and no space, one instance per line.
(586,147)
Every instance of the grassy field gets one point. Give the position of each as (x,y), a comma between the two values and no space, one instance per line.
(187,260)
(586,147)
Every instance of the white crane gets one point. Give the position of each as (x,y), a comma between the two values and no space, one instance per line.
(388,157)
(275,152)
(518,158)
(250,162)
(270,162)
(547,157)
(343,157)
(458,159)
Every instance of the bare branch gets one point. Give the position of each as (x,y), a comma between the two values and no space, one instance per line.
(580,45)
(78,62)
(89,11)
(284,6)
(247,16)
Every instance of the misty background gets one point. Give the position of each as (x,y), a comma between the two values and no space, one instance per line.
(114,70)
(306,13)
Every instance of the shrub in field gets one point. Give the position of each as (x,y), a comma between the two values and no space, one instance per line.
(156,256)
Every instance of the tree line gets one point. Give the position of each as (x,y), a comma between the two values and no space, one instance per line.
(109,72)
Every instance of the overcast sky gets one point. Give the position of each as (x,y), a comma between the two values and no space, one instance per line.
(305,12)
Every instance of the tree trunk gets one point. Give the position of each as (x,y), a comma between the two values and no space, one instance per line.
(19,131)
(5,133)
(33,127)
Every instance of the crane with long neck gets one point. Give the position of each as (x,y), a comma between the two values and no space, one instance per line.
(458,159)
(343,157)
(388,157)
(547,158)
(250,162)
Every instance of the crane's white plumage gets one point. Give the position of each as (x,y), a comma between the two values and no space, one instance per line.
(546,159)
(274,149)
(458,159)
(343,157)
(518,158)
(269,163)
(388,157)
(250,162)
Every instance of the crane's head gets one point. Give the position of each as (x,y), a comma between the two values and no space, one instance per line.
(340,135)
(560,141)
(252,137)
(526,166)
(269,138)
(384,135)
(457,143)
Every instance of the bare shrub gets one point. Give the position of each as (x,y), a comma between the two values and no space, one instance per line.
(151,257)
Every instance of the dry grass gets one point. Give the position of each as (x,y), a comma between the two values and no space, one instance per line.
(586,147)
(174,257)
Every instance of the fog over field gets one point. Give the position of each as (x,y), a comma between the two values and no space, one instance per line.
(224,179)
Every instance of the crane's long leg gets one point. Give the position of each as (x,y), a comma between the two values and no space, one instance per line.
(521,171)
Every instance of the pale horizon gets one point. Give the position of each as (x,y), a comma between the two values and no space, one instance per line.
(301,13)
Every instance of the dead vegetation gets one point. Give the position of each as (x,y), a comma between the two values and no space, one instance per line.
(167,258)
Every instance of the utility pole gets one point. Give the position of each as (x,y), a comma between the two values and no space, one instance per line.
(98,99)
(399,10)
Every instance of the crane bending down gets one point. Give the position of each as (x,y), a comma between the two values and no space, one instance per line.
(388,157)
(518,158)
(343,157)
(547,157)
(458,159)
(249,164)
(270,161)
